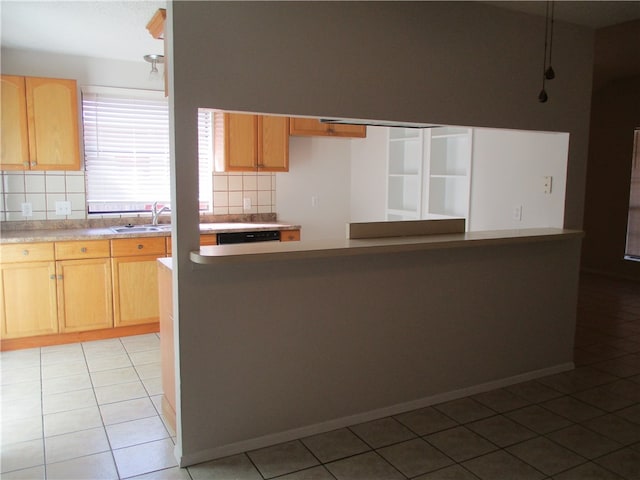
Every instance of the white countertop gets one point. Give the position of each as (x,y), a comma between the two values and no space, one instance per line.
(266,251)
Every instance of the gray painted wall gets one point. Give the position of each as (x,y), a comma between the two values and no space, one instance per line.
(451,63)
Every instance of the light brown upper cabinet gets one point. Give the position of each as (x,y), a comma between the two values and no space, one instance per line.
(156,24)
(314,127)
(39,124)
(248,143)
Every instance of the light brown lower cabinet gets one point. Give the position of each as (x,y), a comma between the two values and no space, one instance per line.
(167,351)
(84,294)
(83,274)
(28,303)
(205,239)
(50,290)
(135,279)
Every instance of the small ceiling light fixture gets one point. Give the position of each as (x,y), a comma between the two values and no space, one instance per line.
(154,60)
(547,70)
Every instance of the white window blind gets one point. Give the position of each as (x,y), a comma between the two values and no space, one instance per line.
(126,143)
(205,158)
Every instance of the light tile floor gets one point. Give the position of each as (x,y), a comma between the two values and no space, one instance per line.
(91,411)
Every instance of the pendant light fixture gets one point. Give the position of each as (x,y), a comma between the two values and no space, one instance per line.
(547,70)
(154,60)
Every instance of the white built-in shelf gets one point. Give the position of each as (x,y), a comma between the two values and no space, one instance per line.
(428,173)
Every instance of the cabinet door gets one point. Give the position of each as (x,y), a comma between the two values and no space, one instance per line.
(241,146)
(14,153)
(273,143)
(84,294)
(28,299)
(308,126)
(52,114)
(135,290)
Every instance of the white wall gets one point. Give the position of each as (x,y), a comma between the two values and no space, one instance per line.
(508,167)
(507,172)
(319,168)
(368,176)
(86,70)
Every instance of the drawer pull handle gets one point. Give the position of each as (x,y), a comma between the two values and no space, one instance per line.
(52,277)
(59,277)
(140,246)
(25,252)
(83,249)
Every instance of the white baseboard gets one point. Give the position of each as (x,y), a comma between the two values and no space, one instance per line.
(302,432)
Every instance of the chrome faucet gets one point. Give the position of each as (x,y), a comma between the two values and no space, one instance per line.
(155,213)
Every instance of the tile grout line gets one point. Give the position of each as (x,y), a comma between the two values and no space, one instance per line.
(104,427)
(44,444)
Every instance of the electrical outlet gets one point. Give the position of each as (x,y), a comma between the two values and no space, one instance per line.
(246,203)
(547,184)
(63,208)
(27,209)
(315,201)
(517,213)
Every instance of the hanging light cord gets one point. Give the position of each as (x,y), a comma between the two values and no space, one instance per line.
(547,71)
(542,96)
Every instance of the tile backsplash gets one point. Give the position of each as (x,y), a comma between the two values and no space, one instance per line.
(233,193)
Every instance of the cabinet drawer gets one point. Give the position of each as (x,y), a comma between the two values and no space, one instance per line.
(206,239)
(26,252)
(82,249)
(127,247)
(290,236)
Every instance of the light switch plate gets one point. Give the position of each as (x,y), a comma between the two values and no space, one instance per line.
(517,213)
(27,209)
(63,208)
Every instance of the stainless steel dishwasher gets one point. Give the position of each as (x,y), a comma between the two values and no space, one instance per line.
(228,238)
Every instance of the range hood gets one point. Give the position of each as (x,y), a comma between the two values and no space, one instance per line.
(377,123)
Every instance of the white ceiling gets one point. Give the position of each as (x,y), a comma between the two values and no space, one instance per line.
(106,29)
(116,29)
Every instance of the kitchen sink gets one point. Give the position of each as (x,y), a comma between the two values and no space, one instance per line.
(141,228)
